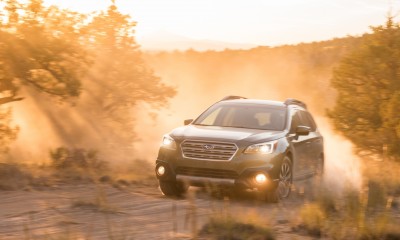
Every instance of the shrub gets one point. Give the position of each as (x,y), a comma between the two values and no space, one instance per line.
(352,216)
(76,158)
(77,164)
(12,177)
(230,228)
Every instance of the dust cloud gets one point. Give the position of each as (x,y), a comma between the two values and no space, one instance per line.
(342,166)
(201,79)
(284,79)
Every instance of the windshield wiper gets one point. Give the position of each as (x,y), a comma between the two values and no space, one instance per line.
(236,126)
(249,128)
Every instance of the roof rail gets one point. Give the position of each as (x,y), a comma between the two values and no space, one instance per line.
(292,101)
(232,98)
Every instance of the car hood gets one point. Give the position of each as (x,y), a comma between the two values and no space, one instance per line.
(215,133)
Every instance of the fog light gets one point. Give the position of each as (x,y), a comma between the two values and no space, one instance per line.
(161,170)
(260,178)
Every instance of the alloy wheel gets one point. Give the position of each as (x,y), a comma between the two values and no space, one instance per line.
(285,179)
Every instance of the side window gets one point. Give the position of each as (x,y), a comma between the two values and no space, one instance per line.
(296,121)
(312,122)
(307,120)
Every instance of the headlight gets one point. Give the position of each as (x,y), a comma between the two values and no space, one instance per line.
(168,142)
(262,148)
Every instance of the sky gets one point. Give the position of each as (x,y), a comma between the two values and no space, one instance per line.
(259,22)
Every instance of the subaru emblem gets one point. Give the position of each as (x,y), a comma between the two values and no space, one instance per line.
(208,147)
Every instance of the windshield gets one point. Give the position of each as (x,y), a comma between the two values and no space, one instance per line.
(244,116)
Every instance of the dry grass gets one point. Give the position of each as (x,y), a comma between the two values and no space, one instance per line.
(236,227)
(99,204)
(369,213)
(75,166)
(386,173)
(313,219)
(14,176)
(353,214)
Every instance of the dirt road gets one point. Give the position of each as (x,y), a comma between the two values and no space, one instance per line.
(89,211)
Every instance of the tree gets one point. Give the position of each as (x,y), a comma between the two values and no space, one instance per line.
(118,80)
(64,54)
(39,48)
(368,86)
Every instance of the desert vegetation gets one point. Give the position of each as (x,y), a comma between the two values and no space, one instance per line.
(86,68)
(369,214)
(229,227)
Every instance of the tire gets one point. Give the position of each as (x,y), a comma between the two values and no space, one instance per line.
(172,189)
(283,186)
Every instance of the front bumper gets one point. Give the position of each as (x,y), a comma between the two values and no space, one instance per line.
(194,180)
(240,171)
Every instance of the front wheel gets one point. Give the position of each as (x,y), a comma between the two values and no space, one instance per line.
(284,184)
(172,188)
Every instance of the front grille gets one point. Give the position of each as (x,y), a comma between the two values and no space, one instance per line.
(208,150)
(206,172)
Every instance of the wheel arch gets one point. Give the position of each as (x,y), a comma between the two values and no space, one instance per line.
(290,155)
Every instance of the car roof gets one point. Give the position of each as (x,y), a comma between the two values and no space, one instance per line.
(263,102)
(256,101)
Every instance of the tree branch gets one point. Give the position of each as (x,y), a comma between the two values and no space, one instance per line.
(5,100)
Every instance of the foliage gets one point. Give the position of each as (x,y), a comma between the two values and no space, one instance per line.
(65,55)
(118,79)
(385,173)
(368,85)
(39,47)
(7,133)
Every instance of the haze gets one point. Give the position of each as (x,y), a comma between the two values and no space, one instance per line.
(255,22)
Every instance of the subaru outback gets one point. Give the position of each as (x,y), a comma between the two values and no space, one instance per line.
(243,144)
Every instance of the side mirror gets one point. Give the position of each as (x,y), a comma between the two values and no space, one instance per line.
(187,121)
(303,130)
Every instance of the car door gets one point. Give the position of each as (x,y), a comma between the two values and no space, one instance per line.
(299,144)
(313,143)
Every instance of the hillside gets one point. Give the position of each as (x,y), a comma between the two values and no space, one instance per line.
(301,71)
